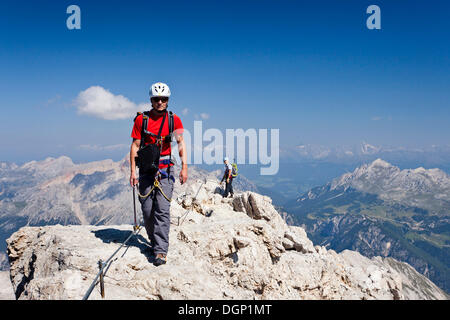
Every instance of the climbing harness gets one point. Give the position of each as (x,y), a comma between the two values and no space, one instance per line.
(148,156)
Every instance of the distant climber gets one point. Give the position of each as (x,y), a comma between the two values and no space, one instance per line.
(228,178)
(151,152)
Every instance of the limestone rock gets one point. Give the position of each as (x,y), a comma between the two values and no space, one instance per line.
(220,248)
(258,207)
(227,254)
(300,241)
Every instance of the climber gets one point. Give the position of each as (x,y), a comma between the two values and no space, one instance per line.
(151,152)
(228,177)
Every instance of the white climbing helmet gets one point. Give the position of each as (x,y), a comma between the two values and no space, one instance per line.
(159,89)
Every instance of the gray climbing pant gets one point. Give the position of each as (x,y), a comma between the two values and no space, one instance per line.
(156,211)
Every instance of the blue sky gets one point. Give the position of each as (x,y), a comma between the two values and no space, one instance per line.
(310,68)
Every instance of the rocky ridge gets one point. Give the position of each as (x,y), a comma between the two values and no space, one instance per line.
(237,248)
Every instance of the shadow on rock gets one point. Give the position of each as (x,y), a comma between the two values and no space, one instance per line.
(219,190)
(120,236)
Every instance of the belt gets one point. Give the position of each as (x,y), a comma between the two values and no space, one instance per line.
(165,160)
(164,174)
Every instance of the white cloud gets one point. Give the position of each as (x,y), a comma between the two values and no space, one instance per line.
(376,118)
(101,103)
(185,111)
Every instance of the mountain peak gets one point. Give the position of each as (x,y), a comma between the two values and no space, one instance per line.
(420,187)
(224,249)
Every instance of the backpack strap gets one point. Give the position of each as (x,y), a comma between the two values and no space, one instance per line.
(137,115)
(144,124)
(169,137)
(144,129)
(158,137)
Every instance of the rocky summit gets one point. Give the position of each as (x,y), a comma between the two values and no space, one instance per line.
(220,248)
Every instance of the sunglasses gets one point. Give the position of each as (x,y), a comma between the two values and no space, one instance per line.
(163,99)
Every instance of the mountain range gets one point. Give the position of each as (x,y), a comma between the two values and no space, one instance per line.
(379,209)
(57,191)
(305,166)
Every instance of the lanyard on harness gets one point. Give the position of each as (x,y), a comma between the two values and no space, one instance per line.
(162,174)
(156,184)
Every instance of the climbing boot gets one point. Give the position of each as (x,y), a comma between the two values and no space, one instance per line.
(160,259)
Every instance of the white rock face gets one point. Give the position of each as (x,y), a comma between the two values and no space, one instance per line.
(227,249)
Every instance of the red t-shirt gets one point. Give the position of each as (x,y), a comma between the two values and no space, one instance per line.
(153,125)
